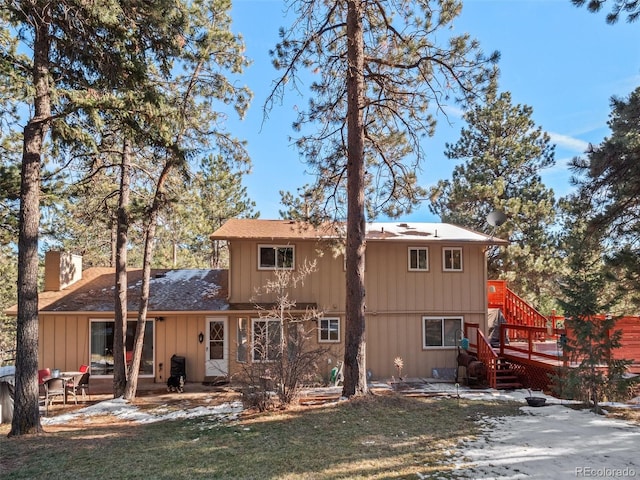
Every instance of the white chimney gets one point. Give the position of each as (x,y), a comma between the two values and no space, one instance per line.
(61,269)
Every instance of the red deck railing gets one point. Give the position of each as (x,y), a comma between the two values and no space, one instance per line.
(528,344)
(515,310)
(533,338)
(478,343)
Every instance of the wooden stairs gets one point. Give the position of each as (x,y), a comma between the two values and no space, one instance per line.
(503,373)
(506,375)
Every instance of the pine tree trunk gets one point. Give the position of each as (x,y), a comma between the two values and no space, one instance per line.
(26,414)
(355,377)
(120,327)
(149,238)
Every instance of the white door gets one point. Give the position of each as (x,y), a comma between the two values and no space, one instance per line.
(217,349)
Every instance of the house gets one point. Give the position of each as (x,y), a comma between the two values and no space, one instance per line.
(424,282)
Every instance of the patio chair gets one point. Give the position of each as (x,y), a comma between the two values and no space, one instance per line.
(71,386)
(79,384)
(42,374)
(54,388)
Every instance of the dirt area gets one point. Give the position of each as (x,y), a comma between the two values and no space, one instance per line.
(194,395)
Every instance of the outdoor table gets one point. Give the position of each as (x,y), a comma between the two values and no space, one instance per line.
(7,383)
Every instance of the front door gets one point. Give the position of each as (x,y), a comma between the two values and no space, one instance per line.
(217,349)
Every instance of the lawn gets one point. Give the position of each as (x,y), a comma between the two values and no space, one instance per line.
(381,436)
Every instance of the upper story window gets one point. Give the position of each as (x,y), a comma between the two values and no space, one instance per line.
(418,259)
(272,257)
(452,259)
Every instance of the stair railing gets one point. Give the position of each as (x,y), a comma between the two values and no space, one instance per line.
(487,356)
(479,343)
(518,311)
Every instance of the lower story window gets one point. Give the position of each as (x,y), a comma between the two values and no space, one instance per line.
(266,336)
(101,354)
(243,340)
(329,330)
(441,331)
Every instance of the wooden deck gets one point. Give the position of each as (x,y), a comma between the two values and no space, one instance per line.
(532,340)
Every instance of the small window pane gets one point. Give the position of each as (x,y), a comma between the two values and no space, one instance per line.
(267,257)
(266,340)
(441,331)
(418,259)
(243,339)
(285,257)
(452,258)
(452,329)
(433,332)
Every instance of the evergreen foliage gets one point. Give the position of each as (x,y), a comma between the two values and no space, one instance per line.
(504,153)
(594,372)
(609,176)
(102,82)
(630,8)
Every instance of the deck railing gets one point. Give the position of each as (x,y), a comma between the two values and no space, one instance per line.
(478,343)
(527,344)
(519,312)
(488,356)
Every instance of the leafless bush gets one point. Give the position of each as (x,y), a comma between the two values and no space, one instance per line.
(283,356)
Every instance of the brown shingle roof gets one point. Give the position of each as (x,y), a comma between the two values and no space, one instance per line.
(237,228)
(170,290)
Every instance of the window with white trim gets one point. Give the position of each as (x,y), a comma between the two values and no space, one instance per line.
(265,335)
(452,259)
(102,334)
(329,329)
(273,257)
(439,332)
(418,259)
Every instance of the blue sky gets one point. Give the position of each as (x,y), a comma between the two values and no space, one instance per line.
(563,61)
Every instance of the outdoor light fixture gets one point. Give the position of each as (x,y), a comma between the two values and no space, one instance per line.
(201,337)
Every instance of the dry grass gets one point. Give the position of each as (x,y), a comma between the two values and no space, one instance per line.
(381,436)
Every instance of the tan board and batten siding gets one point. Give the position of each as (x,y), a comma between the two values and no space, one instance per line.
(396,298)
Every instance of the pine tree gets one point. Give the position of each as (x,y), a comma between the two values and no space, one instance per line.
(593,372)
(80,54)
(504,154)
(610,176)
(377,68)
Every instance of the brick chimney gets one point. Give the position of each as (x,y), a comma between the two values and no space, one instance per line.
(61,269)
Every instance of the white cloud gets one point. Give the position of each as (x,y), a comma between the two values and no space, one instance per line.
(570,143)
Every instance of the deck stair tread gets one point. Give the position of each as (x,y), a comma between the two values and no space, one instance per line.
(506,377)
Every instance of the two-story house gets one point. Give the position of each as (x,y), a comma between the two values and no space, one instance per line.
(424,281)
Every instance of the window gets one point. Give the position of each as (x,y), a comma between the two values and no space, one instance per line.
(266,340)
(418,259)
(272,257)
(329,330)
(242,353)
(452,259)
(101,354)
(441,331)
